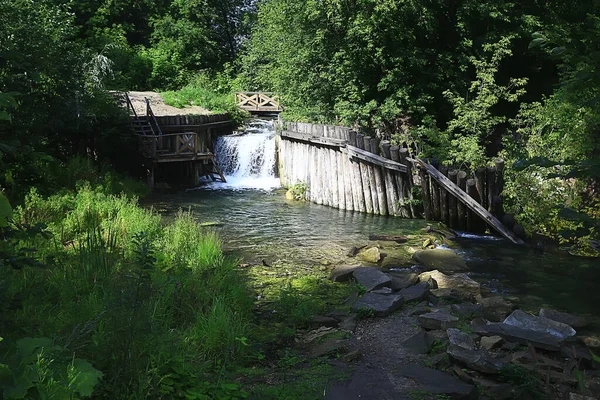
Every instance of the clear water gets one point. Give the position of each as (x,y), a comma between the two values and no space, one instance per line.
(257,223)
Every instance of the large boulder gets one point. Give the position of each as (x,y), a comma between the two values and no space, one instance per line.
(381,305)
(573,320)
(343,273)
(440,259)
(523,336)
(460,283)
(524,320)
(403,280)
(417,292)
(371,278)
(496,308)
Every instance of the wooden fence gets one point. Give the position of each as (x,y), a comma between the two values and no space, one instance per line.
(351,171)
(258,102)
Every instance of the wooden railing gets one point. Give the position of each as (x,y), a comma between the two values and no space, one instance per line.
(258,101)
(165,145)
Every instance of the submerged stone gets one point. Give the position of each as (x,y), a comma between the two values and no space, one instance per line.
(525,320)
(441,259)
(370,255)
(382,305)
(371,278)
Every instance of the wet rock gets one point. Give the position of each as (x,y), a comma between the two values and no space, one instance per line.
(417,344)
(490,342)
(402,281)
(343,273)
(437,320)
(329,347)
(417,292)
(371,278)
(382,305)
(289,195)
(527,321)
(499,391)
(438,383)
(460,282)
(354,251)
(461,339)
(559,316)
(477,360)
(445,260)
(468,310)
(370,255)
(522,336)
(496,308)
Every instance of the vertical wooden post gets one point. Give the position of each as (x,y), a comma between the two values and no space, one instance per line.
(480,178)
(474,222)
(341,179)
(461,181)
(426,194)
(390,187)
(435,193)
(444,212)
(491,189)
(408,182)
(364,173)
(452,211)
(333,179)
(358,194)
(379,181)
(371,177)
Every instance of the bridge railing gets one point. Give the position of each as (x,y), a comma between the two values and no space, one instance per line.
(258,101)
(155,146)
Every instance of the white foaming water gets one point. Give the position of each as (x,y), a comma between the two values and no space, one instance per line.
(248,159)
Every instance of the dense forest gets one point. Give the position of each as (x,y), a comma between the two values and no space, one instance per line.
(462,81)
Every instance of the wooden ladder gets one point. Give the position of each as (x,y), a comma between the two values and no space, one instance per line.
(212,171)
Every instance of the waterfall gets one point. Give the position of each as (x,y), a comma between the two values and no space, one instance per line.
(248,158)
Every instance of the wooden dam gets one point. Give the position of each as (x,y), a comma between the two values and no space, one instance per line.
(351,171)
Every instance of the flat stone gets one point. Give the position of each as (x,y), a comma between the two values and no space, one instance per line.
(370,255)
(520,335)
(371,278)
(462,375)
(441,259)
(490,342)
(447,295)
(419,309)
(348,323)
(383,290)
(417,344)
(437,320)
(525,320)
(477,360)
(468,310)
(438,383)
(381,304)
(460,282)
(559,316)
(417,292)
(343,273)
(402,281)
(439,336)
(499,391)
(328,347)
(460,339)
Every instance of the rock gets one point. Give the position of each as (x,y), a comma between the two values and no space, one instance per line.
(559,316)
(370,255)
(343,273)
(445,260)
(417,292)
(460,282)
(437,320)
(496,308)
(383,290)
(591,341)
(577,396)
(446,296)
(490,342)
(329,346)
(348,323)
(371,278)
(382,305)
(581,354)
(322,320)
(354,251)
(289,195)
(351,299)
(516,334)
(419,309)
(539,360)
(499,391)
(438,383)
(462,375)
(524,320)
(477,360)
(352,356)
(438,336)
(461,339)
(417,344)
(402,281)
(468,310)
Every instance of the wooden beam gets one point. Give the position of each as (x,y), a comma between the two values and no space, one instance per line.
(305,137)
(374,159)
(468,201)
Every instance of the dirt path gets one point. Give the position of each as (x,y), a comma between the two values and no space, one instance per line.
(159,107)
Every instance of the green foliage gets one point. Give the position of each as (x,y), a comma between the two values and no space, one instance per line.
(526,383)
(298,191)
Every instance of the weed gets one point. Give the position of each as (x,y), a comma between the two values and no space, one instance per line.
(437,347)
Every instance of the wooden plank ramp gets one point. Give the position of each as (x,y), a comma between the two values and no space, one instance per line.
(468,201)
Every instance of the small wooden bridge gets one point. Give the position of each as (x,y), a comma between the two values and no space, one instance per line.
(183,139)
(258,102)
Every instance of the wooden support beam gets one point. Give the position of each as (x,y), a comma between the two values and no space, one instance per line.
(371,158)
